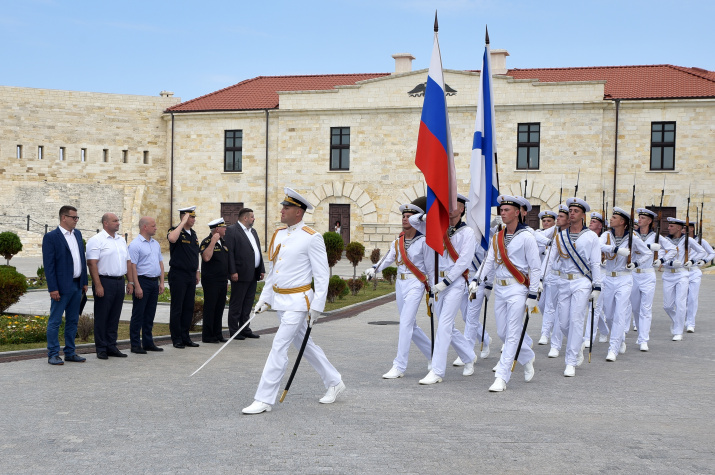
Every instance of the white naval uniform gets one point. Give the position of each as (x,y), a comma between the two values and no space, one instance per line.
(543,238)
(575,287)
(471,309)
(600,325)
(618,283)
(643,292)
(676,279)
(298,255)
(694,277)
(548,305)
(449,301)
(409,292)
(510,301)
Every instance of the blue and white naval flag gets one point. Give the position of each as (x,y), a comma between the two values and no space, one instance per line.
(483,190)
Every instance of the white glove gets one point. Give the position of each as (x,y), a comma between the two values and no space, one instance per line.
(261,307)
(688,264)
(313,316)
(623,251)
(499,220)
(594,295)
(423,217)
(631,266)
(487,290)
(532,303)
(437,288)
(541,286)
(603,263)
(700,263)
(658,262)
(676,263)
(430,302)
(473,287)
(370,273)
(654,247)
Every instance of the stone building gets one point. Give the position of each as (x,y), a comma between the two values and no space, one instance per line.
(348,141)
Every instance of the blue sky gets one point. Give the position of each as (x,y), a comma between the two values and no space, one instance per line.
(193,48)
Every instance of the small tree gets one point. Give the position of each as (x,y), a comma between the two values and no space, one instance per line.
(355,252)
(390,274)
(375,258)
(10,245)
(336,287)
(334,247)
(355,285)
(13,285)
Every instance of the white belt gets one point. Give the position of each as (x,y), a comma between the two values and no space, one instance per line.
(505,282)
(556,272)
(647,270)
(566,276)
(406,276)
(617,274)
(677,269)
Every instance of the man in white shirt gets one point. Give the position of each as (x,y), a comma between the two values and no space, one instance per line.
(108,261)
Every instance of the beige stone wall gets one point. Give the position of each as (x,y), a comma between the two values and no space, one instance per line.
(94,122)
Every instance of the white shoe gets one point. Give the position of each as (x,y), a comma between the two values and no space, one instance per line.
(603,338)
(529,370)
(635,329)
(502,349)
(544,339)
(570,371)
(333,393)
(469,368)
(431,378)
(394,373)
(458,362)
(498,386)
(553,353)
(256,408)
(485,352)
(690,329)
(611,356)
(495,368)
(677,337)
(587,343)
(622,350)
(644,346)
(579,359)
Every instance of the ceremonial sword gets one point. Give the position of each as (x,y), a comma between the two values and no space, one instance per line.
(229,341)
(297,362)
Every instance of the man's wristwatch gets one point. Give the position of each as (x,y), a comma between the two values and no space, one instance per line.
(130,283)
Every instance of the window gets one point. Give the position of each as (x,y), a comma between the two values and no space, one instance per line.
(340,148)
(62,154)
(233,151)
(105,155)
(83,154)
(125,156)
(527,154)
(39,152)
(19,152)
(662,146)
(146,157)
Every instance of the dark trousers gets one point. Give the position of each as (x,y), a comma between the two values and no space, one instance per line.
(107,310)
(214,304)
(182,286)
(143,312)
(69,305)
(239,306)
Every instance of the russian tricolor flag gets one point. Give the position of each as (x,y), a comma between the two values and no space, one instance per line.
(434,154)
(483,190)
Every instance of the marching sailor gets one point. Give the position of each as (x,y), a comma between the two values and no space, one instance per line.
(413,258)
(298,255)
(694,277)
(644,279)
(597,225)
(514,256)
(550,326)
(543,239)
(577,259)
(459,243)
(677,258)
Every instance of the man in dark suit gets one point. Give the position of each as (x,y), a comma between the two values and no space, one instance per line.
(245,266)
(66,273)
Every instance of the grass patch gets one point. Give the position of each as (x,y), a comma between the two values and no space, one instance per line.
(367,293)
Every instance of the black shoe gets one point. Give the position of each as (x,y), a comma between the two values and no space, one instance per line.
(55,360)
(116,353)
(138,349)
(102,355)
(240,337)
(251,335)
(179,345)
(191,344)
(221,339)
(153,348)
(209,341)
(75,359)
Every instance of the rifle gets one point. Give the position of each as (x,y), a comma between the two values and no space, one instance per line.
(695,225)
(577,180)
(660,212)
(702,208)
(687,228)
(561,191)
(630,226)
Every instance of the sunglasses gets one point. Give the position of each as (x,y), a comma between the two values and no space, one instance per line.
(75,218)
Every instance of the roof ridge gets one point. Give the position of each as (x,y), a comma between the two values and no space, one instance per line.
(245,81)
(592,67)
(693,73)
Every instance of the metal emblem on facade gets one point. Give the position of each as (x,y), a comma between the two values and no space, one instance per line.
(419,90)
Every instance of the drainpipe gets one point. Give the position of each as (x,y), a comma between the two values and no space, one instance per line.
(171,184)
(615,154)
(265,194)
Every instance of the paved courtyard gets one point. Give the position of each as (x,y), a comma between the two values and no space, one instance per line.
(647,412)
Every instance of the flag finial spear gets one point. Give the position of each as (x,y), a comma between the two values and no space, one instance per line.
(486,36)
(435,22)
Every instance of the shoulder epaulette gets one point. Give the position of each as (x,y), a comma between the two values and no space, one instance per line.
(309,230)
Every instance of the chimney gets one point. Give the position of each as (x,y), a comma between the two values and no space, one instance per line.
(499,61)
(403,62)
(166,94)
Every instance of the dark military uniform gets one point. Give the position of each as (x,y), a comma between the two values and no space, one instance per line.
(214,280)
(183,265)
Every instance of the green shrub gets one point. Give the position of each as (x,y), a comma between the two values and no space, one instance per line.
(41,275)
(355,252)
(355,285)
(390,274)
(336,287)
(10,245)
(13,285)
(334,247)
(375,256)
(85,326)
(198,315)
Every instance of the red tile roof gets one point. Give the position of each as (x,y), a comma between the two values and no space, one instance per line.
(622,82)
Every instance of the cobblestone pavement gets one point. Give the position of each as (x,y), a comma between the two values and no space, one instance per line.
(647,412)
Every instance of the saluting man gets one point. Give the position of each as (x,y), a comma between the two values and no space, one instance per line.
(414,266)
(514,257)
(644,279)
(298,255)
(214,280)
